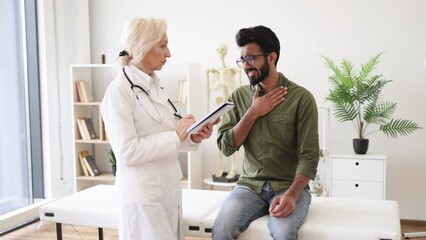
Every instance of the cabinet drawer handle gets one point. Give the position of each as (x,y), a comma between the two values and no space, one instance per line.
(356,163)
(356,185)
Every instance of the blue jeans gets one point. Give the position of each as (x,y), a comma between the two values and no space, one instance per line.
(243,206)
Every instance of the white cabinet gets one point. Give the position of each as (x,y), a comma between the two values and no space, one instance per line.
(358,176)
(97,77)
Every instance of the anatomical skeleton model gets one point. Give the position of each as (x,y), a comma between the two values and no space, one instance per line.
(221,82)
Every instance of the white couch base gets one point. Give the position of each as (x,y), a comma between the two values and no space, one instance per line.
(328,218)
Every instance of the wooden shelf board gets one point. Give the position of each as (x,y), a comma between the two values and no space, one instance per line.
(105,176)
(92,141)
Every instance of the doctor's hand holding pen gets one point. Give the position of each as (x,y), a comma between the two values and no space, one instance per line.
(204,133)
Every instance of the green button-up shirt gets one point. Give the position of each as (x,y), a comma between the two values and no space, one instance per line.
(281,144)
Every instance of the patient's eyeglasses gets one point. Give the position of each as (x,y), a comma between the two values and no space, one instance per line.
(250,59)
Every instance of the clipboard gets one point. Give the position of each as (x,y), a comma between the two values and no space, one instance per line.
(219,111)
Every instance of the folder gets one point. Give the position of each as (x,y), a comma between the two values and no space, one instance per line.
(219,111)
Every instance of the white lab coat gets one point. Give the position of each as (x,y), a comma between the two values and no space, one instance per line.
(142,135)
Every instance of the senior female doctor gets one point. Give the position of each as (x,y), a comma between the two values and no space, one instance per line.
(146,132)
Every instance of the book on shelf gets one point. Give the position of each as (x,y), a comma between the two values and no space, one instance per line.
(86,131)
(84,92)
(103,135)
(81,92)
(89,93)
(81,129)
(90,128)
(78,91)
(81,156)
(92,167)
(88,164)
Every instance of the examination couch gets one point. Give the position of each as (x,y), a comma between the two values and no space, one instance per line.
(328,218)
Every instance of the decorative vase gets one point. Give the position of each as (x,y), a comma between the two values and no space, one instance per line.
(360,145)
(114,169)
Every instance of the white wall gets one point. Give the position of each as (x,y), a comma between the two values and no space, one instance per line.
(353,29)
(63,40)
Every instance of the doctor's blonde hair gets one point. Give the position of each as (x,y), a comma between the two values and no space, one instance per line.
(139,36)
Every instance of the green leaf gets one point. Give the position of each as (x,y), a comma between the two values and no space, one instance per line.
(111,156)
(398,127)
(355,96)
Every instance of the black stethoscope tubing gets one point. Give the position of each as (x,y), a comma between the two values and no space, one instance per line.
(132,85)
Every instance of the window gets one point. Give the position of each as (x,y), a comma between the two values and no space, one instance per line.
(21,179)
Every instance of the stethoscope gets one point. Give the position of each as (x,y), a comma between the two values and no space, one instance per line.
(132,86)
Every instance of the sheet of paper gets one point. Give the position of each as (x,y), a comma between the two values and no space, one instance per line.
(211,117)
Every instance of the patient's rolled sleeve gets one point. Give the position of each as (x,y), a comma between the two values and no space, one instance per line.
(308,167)
(225,142)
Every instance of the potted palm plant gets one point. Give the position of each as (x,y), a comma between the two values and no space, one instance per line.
(112,160)
(354,94)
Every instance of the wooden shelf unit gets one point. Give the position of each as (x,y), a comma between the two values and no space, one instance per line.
(97,77)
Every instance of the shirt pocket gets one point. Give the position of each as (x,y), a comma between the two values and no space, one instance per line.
(282,126)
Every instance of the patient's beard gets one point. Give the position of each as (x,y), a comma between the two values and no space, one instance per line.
(264,73)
